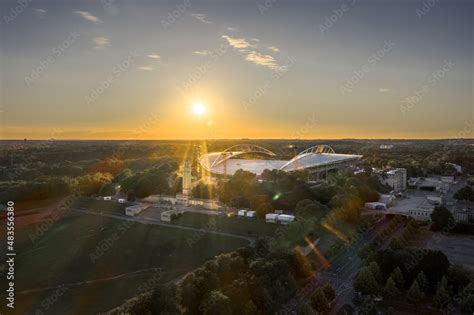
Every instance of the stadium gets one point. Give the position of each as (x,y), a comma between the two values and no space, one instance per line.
(318,160)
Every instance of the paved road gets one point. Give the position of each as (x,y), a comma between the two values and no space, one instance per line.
(346,265)
(251,240)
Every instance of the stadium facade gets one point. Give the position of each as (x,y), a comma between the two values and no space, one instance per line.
(318,160)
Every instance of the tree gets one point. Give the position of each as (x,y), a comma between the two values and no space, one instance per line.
(435,265)
(375,269)
(441,298)
(329,292)
(365,282)
(319,301)
(441,218)
(108,189)
(216,303)
(301,265)
(459,277)
(397,276)
(368,306)
(391,291)
(367,253)
(131,196)
(467,304)
(465,193)
(422,282)
(250,308)
(414,294)
(164,300)
(346,309)
(307,208)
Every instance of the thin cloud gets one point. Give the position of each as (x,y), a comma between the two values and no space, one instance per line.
(232,29)
(201,52)
(40,13)
(154,56)
(384,90)
(274,49)
(88,16)
(264,60)
(146,68)
(101,43)
(201,17)
(239,43)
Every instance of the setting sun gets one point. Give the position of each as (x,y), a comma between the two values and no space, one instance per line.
(199,109)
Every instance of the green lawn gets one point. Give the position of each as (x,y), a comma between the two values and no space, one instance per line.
(241,226)
(63,255)
(105,206)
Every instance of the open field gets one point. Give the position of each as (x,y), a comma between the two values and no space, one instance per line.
(103,261)
(105,206)
(240,226)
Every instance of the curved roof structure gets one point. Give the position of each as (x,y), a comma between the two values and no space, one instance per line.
(227,162)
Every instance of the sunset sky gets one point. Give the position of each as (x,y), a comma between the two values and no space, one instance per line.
(116,69)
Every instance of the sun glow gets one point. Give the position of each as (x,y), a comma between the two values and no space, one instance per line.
(199,109)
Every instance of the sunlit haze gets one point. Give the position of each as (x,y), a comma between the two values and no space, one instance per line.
(292,69)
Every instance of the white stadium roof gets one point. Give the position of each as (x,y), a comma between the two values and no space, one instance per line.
(321,156)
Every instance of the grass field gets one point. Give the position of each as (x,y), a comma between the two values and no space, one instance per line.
(241,226)
(88,247)
(105,206)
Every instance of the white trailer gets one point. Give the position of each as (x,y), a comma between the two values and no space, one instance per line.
(271,217)
(135,209)
(251,214)
(242,213)
(286,218)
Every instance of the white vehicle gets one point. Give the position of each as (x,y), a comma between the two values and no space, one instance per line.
(107,198)
(121,200)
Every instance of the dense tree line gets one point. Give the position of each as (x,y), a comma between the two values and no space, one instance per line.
(415,275)
(247,281)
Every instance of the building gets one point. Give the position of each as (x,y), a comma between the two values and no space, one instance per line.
(135,209)
(440,184)
(185,200)
(376,205)
(318,160)
(395,178)
(168,216)
(187,179)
